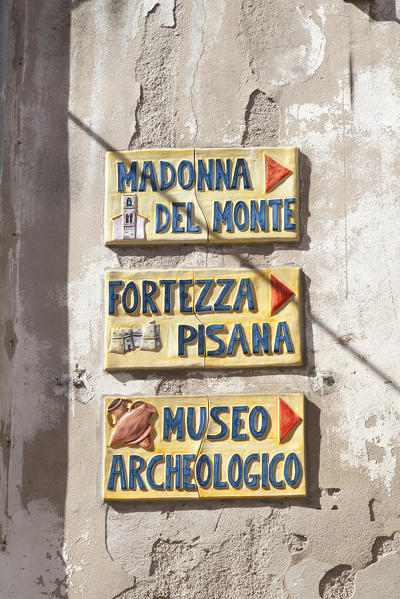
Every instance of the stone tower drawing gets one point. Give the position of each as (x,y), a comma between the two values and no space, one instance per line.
(129,216)
(128,224)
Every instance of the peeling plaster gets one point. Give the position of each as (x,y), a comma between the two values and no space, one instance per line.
(292,49)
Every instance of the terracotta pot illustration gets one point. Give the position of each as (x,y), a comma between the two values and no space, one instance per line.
(131,422)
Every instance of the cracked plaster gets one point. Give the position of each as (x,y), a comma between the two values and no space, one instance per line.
(180,74)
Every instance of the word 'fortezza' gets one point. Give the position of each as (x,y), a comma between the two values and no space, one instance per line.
(195,318)
(204,446)
(217,195)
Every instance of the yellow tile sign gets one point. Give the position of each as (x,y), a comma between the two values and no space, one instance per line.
(204,447)
(214,318)
(218,195)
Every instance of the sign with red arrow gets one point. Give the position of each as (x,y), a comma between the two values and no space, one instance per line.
(201,195)
(210,446)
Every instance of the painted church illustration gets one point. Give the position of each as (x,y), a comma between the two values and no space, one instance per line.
(129,224)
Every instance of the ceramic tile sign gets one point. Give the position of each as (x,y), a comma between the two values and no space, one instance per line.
(214,318)
(223,195)
(204,446)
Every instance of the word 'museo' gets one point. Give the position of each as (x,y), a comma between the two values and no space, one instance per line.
(216,446)
(200,195)
(243,317)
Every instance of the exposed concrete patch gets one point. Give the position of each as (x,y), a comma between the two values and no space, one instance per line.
(282,51)
(156,63)
(337,583)
(296,543)
(325,383)
(381,579)
(302,580)
(144,7)
(76,386)
(384,545)
(262,119)
(256,539)
(375,452)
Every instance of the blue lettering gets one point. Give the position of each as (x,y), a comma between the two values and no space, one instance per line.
(149,473)
(257,434)
(250,480)
(288,214)
(202,295)
(189,422)
(167,293)
(235,460)
(176,217)
(237,422)
(244,290)
(264,470)
(292,457)
(217,482)
(147,297)
(275,204)
(172,423)
(182,340)
(237,336)
(271,471)
(257,216)
(189,226)
(258,339)
(135,297)
(160,210)
(171,471)
(186,472)
(183,295)
(203,460)
(135,480)
(113,297)
(203,174)
(218,305)
(240,172)
(241,206)
(222,217)
(282,336)
(164,183)
(215,410)
(126,177)
(210,334)
(147,173)
(189,166)
(221,175)
(117,461)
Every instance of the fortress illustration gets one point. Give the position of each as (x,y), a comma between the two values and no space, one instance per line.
(129,224)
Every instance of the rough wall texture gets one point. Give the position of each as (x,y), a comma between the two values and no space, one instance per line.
(84,77)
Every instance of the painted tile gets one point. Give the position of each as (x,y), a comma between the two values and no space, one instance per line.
(204,446)
(144,335)
(138,211)
(217,195)
(215,318)
(249,212)
(136,415)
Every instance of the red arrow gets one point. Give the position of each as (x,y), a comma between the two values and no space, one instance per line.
(279,294)
(287,419)
(274,172)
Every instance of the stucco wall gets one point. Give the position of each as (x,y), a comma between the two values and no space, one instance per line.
(90,75)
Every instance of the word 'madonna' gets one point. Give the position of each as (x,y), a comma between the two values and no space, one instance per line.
(214,176)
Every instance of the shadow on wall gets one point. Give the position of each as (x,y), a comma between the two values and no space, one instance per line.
(35,234)
(378,10)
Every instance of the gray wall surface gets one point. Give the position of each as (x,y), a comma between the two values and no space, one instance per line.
(85,76)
